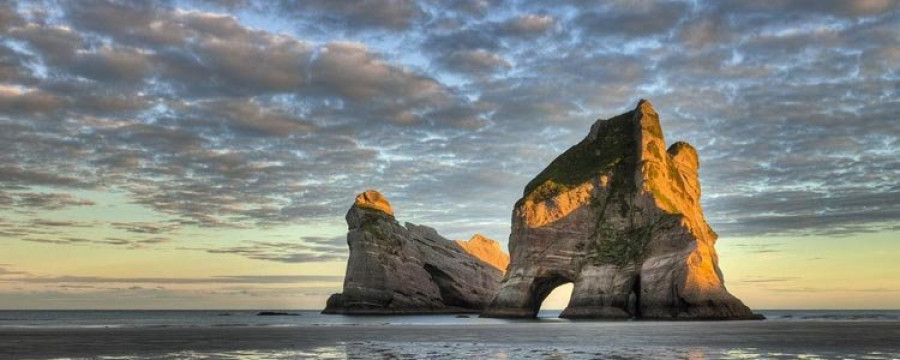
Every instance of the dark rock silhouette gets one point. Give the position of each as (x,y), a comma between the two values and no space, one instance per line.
(276,313)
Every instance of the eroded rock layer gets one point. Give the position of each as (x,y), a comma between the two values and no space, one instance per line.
(404,269)
(619,216)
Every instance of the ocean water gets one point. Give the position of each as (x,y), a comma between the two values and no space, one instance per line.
(250,318)
(242,334)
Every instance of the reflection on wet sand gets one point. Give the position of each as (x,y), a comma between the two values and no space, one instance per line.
(451,350)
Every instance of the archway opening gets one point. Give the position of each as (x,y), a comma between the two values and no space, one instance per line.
(555,301)
(634,298)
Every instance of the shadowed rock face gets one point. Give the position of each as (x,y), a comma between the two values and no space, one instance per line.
(395,269)
(619,216)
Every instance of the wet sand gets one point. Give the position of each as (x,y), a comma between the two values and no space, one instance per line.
(579,340)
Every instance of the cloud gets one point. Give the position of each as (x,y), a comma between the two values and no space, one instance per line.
(227,279)
(31,201)
(15,101)
(767,279)
(633,19)
(475,62)
(146,227)
(216,119)
(7,272)
(829,7)
(761,248)
(355,16)
(252,118)
(31,235)
(311,249)
(528,25)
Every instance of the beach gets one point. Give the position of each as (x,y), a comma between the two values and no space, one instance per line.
(841,339)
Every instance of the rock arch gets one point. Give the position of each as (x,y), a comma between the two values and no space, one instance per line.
(620,218)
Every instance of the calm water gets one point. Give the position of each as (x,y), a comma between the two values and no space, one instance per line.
(237,318)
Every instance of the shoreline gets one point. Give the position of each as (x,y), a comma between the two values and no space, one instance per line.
(772,337)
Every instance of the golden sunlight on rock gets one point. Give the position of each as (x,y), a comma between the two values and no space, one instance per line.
(486,250)
(544,212)
(374,200)
(618,216)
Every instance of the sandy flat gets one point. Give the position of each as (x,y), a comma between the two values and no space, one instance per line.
(619,340)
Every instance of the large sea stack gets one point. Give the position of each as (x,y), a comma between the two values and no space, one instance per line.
(619,216)
(410,269)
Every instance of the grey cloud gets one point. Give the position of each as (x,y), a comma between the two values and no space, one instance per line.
(529,25)
(203,118)
(469,38)
(352,15)
(763,279)
(114,65)
(67,241)
(475,62)
(253,118)
(225,279)
(28,101)
(29,201)
(315,250)
(54,44)
(761,248)
(145,227)
(829,7)
(125,243)
(349,70)
(56,223)
(632,19)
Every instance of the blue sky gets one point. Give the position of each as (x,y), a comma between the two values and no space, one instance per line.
(177,144)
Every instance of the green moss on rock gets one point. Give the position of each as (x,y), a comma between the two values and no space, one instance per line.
(621,247)
(613,148)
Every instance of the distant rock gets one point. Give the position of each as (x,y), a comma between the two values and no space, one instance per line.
(276,313)
(405,269)
(486,250)
(620,217)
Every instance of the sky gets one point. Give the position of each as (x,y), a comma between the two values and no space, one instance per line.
(158,155)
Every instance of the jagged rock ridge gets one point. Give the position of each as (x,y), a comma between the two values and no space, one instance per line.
(621,219)
(404,269)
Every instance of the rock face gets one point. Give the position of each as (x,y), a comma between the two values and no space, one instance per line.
(620,217)
(396,269)
(486,250)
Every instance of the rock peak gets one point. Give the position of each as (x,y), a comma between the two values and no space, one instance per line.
(644,102)
(486,250)
(372,199)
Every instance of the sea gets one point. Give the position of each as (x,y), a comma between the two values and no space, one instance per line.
(303,334)
(288,318)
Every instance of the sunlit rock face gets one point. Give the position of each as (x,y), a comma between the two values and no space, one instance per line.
(486,250)
(620,217)
(405,269)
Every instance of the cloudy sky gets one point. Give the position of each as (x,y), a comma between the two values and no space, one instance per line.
(202,154)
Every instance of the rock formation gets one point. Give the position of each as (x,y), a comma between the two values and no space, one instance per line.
(486,250)
(619,217)
(396,269)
